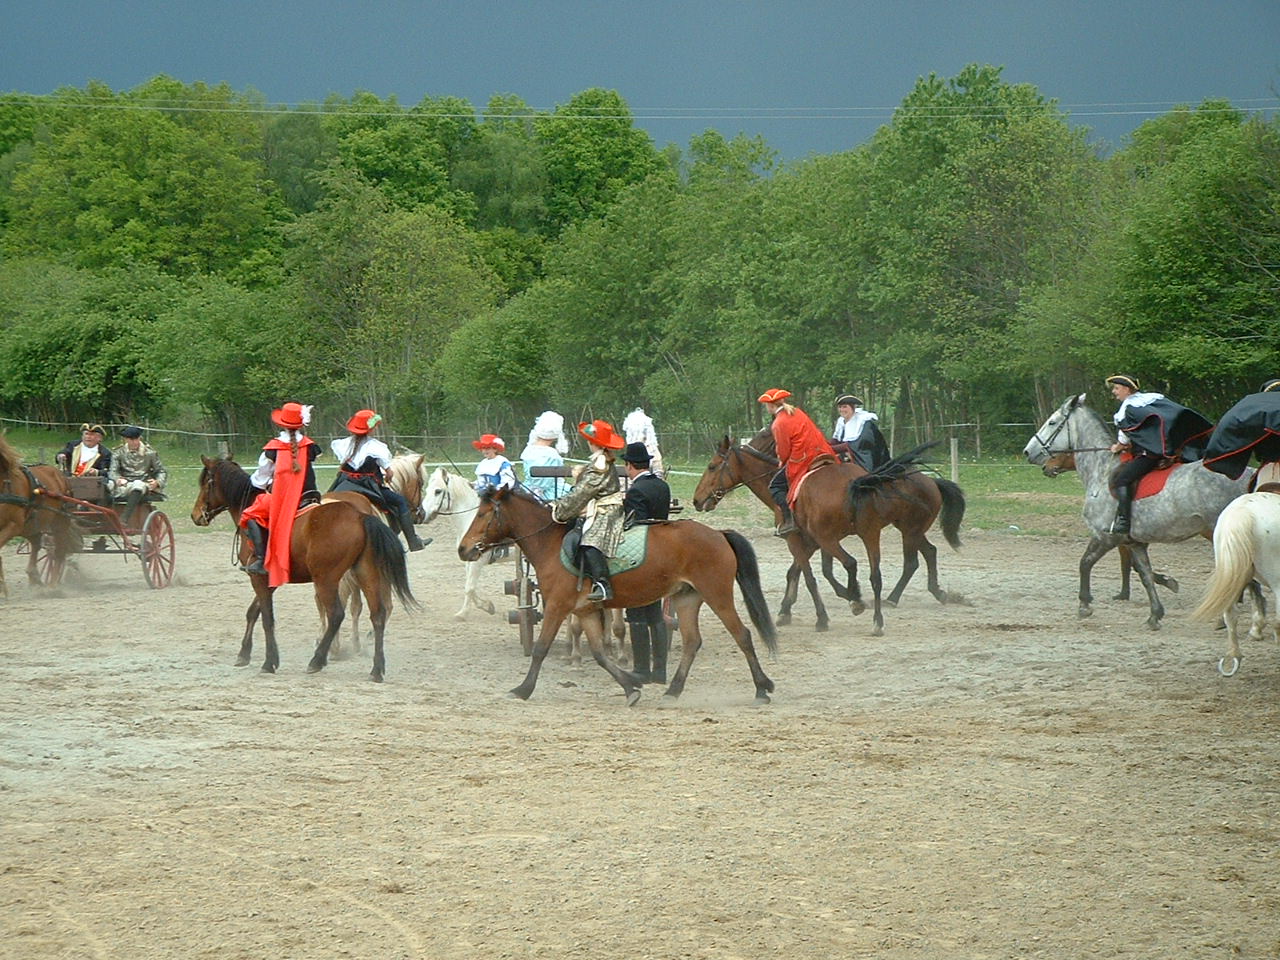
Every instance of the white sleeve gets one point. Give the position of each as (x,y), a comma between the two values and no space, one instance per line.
(262,477)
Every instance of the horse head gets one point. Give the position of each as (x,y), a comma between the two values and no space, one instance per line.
(711,485)
(436,496)
(223,486)
(1055,435)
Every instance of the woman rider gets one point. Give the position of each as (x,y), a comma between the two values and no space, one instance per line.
(597,497)
(285,469)
(362,462)
(799,442)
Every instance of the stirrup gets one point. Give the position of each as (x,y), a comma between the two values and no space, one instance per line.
(600,591)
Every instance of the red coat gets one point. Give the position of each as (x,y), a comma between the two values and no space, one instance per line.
(799,442)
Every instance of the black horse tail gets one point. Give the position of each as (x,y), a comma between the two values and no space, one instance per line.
(889,472)
(748,577)
(952,510)
(389,557)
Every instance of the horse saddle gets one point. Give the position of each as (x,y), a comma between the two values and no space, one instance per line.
(1154,482)
(631,552)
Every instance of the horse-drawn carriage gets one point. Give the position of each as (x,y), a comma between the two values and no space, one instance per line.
(143,532)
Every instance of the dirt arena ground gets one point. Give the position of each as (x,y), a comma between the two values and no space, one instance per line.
(996,779)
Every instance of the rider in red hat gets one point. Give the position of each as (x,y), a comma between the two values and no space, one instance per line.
(799,442)
(362,462)
(597,498)
(494,470)
(285,470)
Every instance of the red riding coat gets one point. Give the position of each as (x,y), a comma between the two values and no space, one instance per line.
(799,442)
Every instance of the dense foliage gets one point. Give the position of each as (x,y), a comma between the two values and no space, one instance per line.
(186,251)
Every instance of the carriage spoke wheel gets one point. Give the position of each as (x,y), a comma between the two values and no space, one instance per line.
(49,566)
(157,551)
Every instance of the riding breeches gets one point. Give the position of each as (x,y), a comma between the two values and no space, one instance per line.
(1129,473)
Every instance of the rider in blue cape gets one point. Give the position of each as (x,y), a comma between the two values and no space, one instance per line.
(1249,429)
(1152,428)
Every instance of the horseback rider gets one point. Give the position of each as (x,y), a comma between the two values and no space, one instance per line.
(494,469)
(857,434)
(597,498)
(287,478)
(1249,429)
(648,499)
(799,442)
(546,448)
(363,460)
(1151,428)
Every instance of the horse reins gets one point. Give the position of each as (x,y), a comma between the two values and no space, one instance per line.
(719,492)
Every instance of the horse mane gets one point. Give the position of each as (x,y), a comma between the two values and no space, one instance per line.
(887,473)
(762,445)
(234,482)
(9,458)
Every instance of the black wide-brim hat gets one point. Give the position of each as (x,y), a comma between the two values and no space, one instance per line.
(637,453)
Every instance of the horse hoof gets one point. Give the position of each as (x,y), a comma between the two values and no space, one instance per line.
(1084,613)
(1153,624)
(267,668)
(889,602)
(857,607)
(783,620)
(1121,596)
(242,661)
(821,627)
(877,631)
(517,694)
(668,701)
(1171,584)
(761,700)
(633,697)
(1235,665)
(314,667)
(375,676)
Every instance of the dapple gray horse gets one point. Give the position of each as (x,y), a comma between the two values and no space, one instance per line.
(1188,505)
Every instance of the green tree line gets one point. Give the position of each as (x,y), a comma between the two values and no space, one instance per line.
(191,252)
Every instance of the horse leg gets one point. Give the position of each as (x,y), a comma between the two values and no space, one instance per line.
(369,583)
(783,619)
(910,564)
(556,611)
(872,542)
(1142,563)
(327,596)
(1096,549)
(250,619)
(823,623)
(631,684)
(1258,619)
(848,592)
(686,604)
(719,597)
(271,662)
(1126,567)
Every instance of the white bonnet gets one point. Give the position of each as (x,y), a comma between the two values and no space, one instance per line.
(550,426)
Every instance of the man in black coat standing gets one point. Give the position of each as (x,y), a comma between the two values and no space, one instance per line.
(648,499)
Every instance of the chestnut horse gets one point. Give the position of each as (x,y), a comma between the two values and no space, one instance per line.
(27,511)
(328,540)
(841,500)
(685,560)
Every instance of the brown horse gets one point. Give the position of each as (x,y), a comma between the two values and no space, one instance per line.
(328,540)
(27,510)
(685,560)
(842,500)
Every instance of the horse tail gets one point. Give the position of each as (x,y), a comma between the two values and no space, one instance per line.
(748,577)
(952,510)
(389,557)
(1233,546)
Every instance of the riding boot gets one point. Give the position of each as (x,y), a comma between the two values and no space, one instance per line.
(659,639)
(1124,510)
(405,518)
(788,524)
(257,535)
(640,651)
(596,567)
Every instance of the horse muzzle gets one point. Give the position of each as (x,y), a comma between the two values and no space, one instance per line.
(471,553)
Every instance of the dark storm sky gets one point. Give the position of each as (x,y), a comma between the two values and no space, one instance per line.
(809,75)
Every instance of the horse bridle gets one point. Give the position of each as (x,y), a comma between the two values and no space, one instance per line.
(719,492)
(486,544)
(206,514)
(1071,447)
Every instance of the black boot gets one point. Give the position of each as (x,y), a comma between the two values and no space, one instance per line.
(1124,511)
(660,640)
(596,567)
(405,521)
(257,535)
(640,651)
(788,524)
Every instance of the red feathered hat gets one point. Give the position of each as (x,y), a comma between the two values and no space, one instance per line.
(489,440)
(363,421)
(289,416)
(600,432)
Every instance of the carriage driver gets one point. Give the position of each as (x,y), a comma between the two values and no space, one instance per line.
(88,458)
(1151,427)
(799,442)
(362,459)
(597,498)
(136,471)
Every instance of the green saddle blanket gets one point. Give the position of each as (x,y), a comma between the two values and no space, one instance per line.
(631,551)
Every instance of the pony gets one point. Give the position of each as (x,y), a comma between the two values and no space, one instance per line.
(30,508)
(686,560)
(1246,547)
(1188,505)
(328,541)
(840,500)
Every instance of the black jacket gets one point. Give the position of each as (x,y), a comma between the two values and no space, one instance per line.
(648,498)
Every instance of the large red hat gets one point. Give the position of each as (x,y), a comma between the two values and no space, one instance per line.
(773,396)
(600,432)
(489,440)
(363,421)
(289,416)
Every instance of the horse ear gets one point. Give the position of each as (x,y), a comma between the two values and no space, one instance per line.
(1080,400)
(725,443)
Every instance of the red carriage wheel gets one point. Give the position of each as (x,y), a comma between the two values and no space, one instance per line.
(157,550)
(49,565)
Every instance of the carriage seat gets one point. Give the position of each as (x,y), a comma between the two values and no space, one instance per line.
(92,489)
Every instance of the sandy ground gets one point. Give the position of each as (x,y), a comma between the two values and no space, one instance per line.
(995,779)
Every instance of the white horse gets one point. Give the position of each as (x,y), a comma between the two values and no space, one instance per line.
(450,495)
(1246,545)
(1188,505)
